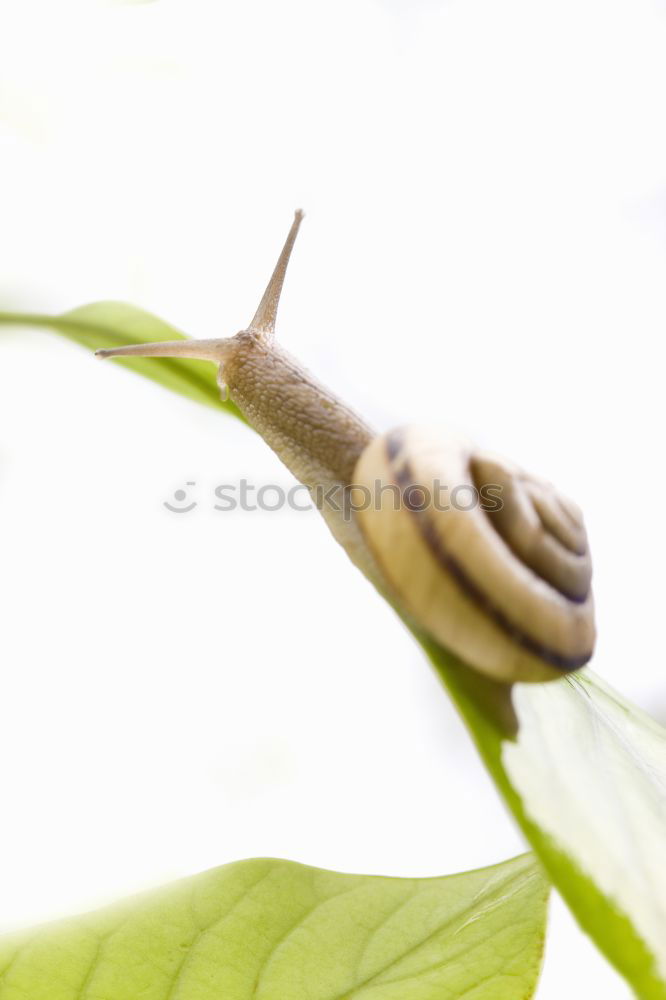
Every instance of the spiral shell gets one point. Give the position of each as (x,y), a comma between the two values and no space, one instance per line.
(490,561)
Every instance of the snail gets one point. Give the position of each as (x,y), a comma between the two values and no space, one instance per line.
(504,585)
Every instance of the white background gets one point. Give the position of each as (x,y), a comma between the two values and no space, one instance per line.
(484,245)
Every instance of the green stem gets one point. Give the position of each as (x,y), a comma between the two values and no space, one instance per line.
(28,319)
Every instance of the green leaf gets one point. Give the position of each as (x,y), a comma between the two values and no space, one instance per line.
(115,324)
(584,773)
(276,930)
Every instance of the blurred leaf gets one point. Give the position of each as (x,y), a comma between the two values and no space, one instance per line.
(585,776)
(115,324)
(276,930)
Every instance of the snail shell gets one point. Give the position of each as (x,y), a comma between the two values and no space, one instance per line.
(506,589)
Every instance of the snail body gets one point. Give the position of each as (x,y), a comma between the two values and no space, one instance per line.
(313,432)
(506,588)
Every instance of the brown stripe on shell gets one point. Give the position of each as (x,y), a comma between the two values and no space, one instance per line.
(404,477)
(394,442)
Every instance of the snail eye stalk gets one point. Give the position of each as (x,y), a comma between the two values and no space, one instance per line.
(263,322)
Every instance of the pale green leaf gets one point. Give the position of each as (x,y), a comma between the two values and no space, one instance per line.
(115,324)
(585,776)
(276,930)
